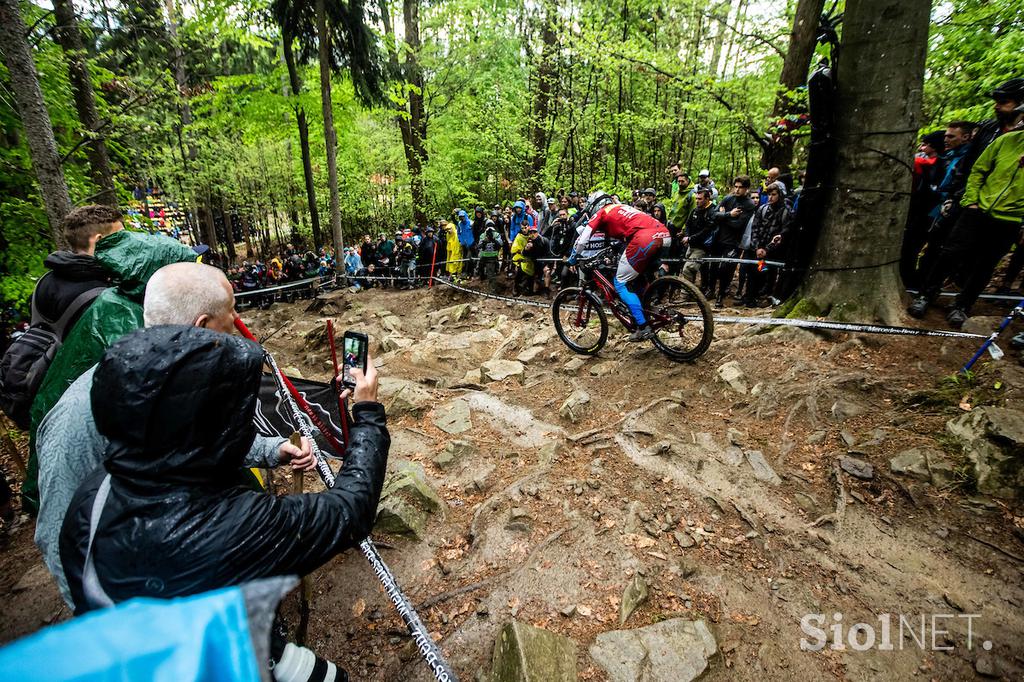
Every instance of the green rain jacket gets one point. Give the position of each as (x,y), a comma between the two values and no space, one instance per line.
(133,257)
(996,182)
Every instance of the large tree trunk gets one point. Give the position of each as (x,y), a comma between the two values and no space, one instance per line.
(330,137)
(542,94)
(853,274)
(802,40)
(34,116)
(69,37)
(300,121)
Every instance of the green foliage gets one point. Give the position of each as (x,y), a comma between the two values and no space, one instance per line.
(633,87)
(974,46)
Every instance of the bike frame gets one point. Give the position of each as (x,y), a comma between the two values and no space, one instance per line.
(607,292)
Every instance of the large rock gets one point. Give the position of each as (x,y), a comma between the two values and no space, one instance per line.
(924,464)
(845,409)
(499,370)
(572,407)
(455,313)
(524,653)
(992,438)
(394,342)
(397,517)
(732,374)
(530,354)
(604,368)
(454,454)
(400,396)
(762,470)
(675,650)
(406,501)
(453,418)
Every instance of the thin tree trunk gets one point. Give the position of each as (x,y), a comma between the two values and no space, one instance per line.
(303,126)
(802,40)
(854,274)
(330,137)
(618,118)
(69,37)
(34,116)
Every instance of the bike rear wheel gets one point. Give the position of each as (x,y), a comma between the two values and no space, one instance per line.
(580,320)
(681,317)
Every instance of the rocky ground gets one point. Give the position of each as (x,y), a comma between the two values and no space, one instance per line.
(624,517)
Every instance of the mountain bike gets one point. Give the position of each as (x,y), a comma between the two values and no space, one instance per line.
(676,310)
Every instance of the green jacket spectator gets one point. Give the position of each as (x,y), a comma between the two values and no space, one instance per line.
(133,257)
(996,182)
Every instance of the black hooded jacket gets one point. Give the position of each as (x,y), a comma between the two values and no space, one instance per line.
(177,405)
(70,275)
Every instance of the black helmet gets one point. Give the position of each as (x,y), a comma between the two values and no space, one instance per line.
(1012,89)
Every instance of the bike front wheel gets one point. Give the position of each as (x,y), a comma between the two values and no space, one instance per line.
(681,318)
(580,320)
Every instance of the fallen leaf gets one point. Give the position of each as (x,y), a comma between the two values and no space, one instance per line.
(359,607)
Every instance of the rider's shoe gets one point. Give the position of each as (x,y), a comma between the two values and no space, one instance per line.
(642,334)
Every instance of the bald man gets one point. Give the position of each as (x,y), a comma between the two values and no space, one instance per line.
(70,447)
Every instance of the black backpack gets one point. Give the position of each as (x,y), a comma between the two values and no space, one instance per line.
(29,356)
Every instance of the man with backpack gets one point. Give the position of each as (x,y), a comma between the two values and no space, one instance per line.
(132,257)
(74,280)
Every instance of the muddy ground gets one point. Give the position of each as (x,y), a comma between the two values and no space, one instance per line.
(548,527)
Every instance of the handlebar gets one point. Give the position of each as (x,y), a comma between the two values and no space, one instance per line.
(592,261)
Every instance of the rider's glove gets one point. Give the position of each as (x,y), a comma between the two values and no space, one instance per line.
(572,257)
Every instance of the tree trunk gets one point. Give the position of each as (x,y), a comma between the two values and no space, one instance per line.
(69,37)
(414,126)
(802,40)
(330,137)
(618,117)
(300,121)
(542,94)
(854,274)
(34,116)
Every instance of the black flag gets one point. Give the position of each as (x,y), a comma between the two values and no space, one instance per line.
(274,416)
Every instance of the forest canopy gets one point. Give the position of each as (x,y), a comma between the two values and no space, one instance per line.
(434,105)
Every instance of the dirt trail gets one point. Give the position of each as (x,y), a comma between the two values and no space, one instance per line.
(548,527)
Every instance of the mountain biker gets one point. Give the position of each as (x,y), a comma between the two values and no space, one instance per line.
(644,237)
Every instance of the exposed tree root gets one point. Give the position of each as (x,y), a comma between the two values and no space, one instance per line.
(836,517)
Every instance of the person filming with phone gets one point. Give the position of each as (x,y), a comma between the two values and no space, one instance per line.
(163,517)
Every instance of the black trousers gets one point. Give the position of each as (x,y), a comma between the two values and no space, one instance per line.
(979,240)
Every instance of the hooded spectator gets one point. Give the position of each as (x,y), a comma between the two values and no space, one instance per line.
(519,218)
(132,257)
(163,518)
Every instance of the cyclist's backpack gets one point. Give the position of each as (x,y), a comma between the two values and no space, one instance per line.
(25,363)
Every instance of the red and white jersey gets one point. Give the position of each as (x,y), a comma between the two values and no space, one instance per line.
(623,222)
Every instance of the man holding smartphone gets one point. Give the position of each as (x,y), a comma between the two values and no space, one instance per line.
(167,520)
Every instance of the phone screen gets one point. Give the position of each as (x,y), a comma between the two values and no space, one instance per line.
(354,349)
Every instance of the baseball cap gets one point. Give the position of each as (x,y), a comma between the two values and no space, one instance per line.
(704,173)
(650,190)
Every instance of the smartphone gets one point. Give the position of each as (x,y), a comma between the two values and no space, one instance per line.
(354,347)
